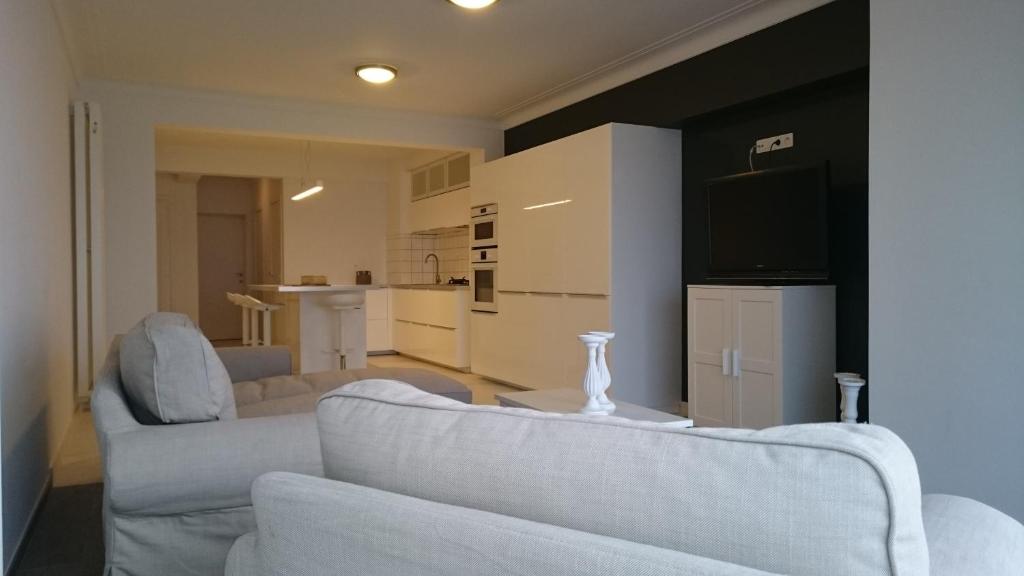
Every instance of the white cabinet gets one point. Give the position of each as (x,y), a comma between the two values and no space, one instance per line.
(440,194)
(554,208)
(590,235)
(432,324)
(538,335)
(760,356)
(378,320)
(457,172)
(443,211)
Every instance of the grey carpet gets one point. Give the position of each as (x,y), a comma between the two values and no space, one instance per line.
(66,538)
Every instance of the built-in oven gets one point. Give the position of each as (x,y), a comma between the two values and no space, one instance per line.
(484,265)
(485,287)
(483,225)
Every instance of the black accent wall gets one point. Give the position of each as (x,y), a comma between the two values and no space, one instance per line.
(807,75)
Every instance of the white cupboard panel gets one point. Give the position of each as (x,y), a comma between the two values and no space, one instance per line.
(586,227)
(711,396)
(378,335)
(377,304)
(755,403)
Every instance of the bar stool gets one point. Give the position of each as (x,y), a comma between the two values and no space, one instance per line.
(339,331)
(252,309)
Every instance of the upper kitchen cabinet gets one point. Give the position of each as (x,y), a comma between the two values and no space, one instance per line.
(440,194)
(566,208)
(457,170)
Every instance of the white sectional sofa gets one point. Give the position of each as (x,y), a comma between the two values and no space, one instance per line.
(418,484)
(184,430)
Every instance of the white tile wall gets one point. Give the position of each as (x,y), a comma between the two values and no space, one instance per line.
(406,254)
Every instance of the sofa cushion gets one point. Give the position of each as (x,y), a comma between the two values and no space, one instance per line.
(293,394)
(968,538)
(303,530)
(802,500)
(171,373)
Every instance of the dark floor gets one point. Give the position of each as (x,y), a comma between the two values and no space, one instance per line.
(66,538)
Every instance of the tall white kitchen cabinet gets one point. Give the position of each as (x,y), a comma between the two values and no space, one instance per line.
(761,356)
(590,238)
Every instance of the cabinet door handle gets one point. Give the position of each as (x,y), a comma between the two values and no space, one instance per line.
(736,363)
(725,361)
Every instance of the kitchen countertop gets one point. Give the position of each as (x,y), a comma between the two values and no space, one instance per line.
(430,286)
(327,288)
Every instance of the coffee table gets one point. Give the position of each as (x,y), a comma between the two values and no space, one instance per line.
(570,400)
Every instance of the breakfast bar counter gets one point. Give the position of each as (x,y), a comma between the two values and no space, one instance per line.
(322,324)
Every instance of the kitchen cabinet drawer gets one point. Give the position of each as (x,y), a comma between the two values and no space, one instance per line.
(440,345)
(433,307)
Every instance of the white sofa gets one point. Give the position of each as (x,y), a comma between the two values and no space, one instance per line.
(177,495)
(419,484)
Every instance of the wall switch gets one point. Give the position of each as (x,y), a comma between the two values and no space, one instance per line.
(781,141)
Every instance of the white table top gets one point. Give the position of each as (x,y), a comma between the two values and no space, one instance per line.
(327,288)
(570,400)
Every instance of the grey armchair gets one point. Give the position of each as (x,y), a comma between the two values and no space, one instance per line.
(177,496)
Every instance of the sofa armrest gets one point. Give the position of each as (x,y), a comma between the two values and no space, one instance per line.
(245,363)
(968,538)
(180,468)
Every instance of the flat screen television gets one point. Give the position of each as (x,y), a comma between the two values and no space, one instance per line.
(769,224)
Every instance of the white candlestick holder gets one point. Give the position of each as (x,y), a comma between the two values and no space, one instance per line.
(593,383)
(602,366)
(850,383)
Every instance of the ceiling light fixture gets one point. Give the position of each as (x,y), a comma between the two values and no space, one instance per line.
(317,186)
(377,73)
(473,4)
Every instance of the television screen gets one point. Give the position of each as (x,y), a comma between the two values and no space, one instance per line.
(769,223)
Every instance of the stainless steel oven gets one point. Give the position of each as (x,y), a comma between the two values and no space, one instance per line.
(483,225)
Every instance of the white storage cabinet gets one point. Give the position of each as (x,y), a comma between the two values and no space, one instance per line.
(760,356)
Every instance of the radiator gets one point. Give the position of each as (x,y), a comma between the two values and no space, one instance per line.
(90,309)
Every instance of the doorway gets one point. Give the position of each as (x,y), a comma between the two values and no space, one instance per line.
(222,269)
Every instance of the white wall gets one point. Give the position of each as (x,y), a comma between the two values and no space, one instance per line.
(946,339)
(334,233)
(36,359)
(131,114)
(177,244)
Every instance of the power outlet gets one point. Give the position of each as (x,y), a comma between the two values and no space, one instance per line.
(782,141)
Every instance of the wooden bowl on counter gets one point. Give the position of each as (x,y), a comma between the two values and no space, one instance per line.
(313,280)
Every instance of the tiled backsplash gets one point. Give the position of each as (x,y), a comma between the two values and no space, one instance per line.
(407,252)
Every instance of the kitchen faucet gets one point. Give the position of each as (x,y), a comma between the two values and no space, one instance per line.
(437,273)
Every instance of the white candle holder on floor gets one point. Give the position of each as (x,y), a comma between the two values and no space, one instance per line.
(602,366)
(593,383)
(850,383)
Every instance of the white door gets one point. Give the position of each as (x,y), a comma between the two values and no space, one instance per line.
(710,394)
(757,337)
(221,270)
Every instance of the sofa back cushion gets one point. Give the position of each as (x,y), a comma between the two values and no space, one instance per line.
(172,375)
(812,499)
(300,533)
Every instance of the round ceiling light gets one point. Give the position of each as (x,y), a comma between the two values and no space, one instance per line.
(377,73)
(473,4)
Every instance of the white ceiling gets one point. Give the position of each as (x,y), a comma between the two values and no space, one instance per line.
(451,61)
